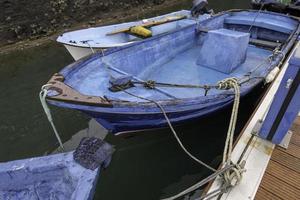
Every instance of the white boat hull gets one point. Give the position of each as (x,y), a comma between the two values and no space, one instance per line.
(80,52)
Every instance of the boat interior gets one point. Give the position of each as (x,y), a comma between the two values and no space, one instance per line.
(55,181)
(232,44)
(97,37)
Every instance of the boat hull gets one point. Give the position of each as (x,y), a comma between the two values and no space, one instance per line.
(119,124)
(123,120)
(84,42)
(80,52)
(50,177)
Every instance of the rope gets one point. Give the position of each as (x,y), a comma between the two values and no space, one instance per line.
(42,95)
(90,46)
(232,175)
(201,183)
(258,12)
(173,130)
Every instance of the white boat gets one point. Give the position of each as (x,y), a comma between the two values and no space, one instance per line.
(83,42)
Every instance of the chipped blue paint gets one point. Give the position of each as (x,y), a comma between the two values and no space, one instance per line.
(49,177)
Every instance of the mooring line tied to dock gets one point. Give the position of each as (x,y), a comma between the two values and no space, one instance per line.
(43,94)
(231,174)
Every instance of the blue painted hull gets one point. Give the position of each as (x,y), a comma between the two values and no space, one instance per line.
(122,123)
(173,58)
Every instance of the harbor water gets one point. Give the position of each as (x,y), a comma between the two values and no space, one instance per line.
(147,165)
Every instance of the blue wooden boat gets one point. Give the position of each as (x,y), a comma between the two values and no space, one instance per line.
(49,177)
(83,42)
(244,44)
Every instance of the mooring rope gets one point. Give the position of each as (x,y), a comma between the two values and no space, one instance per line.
(43,94)
(233,174)
(172,129)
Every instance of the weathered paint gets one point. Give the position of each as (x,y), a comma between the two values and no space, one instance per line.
(49,177)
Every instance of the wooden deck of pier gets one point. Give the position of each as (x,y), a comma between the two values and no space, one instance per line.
(282,177)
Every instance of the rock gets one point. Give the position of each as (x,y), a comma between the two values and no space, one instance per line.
(53,21)
(9,41)
(92,22)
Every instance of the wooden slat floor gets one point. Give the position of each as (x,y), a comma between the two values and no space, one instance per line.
(281,180)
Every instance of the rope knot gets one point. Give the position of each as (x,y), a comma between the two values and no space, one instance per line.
(227,83)
(150,84)
(234,176)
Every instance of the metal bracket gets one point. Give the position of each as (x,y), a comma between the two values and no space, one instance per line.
(286,140)
(257,127)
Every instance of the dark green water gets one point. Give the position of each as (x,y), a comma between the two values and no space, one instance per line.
(147,166)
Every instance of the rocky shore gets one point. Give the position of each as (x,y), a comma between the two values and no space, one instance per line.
(23,20)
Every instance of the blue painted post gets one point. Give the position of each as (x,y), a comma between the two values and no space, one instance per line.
(286,104)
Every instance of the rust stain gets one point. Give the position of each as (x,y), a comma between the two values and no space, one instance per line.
(267,149)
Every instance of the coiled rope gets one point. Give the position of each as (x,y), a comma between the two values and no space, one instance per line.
(43,94)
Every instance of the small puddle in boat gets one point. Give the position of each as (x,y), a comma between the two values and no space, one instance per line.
(149,165)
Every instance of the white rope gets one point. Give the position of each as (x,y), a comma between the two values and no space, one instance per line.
(173,131)
(230,177)
(90,46)
(233,176)
(42,95)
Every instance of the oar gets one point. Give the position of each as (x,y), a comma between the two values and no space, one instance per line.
(150,24)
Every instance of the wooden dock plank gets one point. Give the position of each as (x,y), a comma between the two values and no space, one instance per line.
(295,129)
(284,174)
(282,177)
(279,188)
(263,194)
(292,150)
(295,139)
(297,121)
(286,159)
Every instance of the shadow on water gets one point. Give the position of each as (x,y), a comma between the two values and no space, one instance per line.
(147,166)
